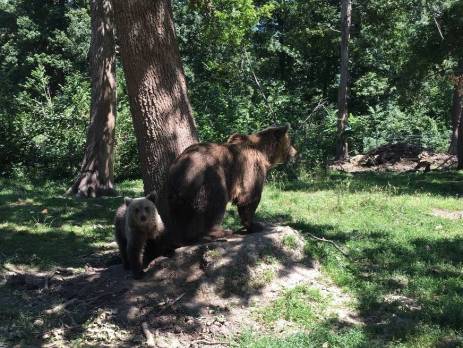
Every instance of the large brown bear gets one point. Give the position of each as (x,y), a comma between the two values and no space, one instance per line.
(205,177)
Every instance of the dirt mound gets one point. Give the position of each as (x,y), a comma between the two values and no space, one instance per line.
(397,157)
(201,296)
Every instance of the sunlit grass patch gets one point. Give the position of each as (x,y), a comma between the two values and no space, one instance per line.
(304,316)
(321,336)
(302,305)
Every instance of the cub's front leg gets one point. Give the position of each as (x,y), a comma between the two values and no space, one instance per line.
(135,257)
(122,243)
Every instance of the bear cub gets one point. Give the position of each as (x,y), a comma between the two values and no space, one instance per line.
(137,223)
(206,176)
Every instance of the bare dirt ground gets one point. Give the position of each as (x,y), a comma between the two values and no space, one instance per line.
(447,214)
(399,157)
(202,296)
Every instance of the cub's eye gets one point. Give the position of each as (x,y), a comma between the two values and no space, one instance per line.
(147,209)
(137,210)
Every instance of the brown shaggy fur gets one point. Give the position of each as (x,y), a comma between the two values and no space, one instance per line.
(205,177)
(137,223)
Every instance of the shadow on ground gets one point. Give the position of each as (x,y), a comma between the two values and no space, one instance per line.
(56,287)
(202,291)
(443,183)
(403,290)
(40,227)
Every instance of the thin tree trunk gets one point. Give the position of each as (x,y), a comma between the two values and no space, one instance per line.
(156,86)
(341,140)
(456,117)
(457,112)
(460,145)
(96,174)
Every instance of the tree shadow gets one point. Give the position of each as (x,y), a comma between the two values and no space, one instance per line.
(42,228)
(401,287)
(174,297)
(442,183)
(69,231)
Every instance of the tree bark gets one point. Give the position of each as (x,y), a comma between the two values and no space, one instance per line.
(96,176)
(460,145)
(341,139)
(156,86)
(456,118)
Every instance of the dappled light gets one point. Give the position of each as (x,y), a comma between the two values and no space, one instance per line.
(352,238)
(401,279)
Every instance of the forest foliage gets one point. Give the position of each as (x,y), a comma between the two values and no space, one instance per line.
(249,64)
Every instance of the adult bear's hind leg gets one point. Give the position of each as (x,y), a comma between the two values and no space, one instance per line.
(214,214)
(246,213)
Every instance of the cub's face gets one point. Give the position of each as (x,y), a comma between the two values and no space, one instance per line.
(140,210)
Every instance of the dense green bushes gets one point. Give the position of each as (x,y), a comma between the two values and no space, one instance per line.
(49,126)
(249,64)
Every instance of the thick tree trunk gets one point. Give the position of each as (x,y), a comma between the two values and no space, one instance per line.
(96,174)
(341,139)
(156,86)
(456,117)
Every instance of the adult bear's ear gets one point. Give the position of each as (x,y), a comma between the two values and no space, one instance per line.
(236,138)
(127,200)
(281,131)
(152,197)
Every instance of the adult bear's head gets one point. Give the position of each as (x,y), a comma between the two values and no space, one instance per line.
(274,142)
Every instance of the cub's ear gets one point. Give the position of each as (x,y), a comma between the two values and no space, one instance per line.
(127,200)
(236,138)
(152,197)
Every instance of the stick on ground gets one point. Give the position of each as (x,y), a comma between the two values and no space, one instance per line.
(172,303)
(327,241)
(60,307)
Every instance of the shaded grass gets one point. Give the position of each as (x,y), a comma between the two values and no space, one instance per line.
(442,183)
(40,227)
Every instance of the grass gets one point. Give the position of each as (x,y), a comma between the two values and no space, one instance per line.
(405,266)
(301,305)
(304,308)
(42,228)
(321,336)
